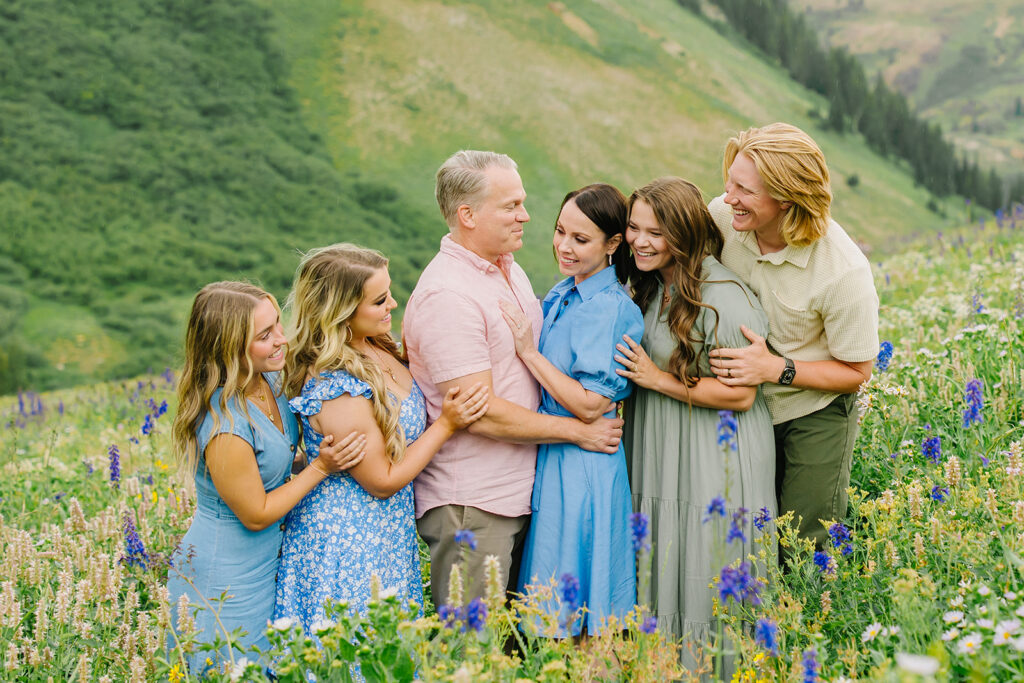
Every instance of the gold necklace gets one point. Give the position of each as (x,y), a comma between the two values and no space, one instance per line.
(262,398)
(382,366)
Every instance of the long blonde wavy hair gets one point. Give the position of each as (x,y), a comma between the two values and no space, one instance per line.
(220,329)
(327,291)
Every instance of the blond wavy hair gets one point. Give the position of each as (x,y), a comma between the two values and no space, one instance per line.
(793,169)
(328,289)
(220,330)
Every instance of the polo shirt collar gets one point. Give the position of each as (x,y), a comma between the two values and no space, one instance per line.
(798,256)
(459,252)
(590,287)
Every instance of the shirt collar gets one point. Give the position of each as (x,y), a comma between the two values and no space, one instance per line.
(459,252)
(798,256)
(590,287)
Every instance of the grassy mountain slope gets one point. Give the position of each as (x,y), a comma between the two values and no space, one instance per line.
(961,62)
(614,91)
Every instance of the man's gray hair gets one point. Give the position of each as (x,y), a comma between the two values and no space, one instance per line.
(460,180)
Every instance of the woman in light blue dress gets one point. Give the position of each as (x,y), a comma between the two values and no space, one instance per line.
(234,433)
(348,375)
(581,500)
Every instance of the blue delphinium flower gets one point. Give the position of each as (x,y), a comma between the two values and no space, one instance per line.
(448,615)
(88,467)
(115,465)
(168,375)
(716,508)
(931,448)
(940,493)
(465,537)
(766,634)
(823,562)
(476,614)
(976,305)
(569,591)
(727,428)
(638,531)
(135,552)
(738,584)
(147,425)
(884,356)
(810,664)
(840,537)
(762,518)
(973,396)
(739,520)
(649,625)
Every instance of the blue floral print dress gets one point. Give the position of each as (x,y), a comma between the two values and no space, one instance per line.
(339,535)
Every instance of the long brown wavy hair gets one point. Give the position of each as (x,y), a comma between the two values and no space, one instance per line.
(220,329)
(328,289)
(691,235)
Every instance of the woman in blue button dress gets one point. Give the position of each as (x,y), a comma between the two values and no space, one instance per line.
(581,500)
(234,434)
(345,374)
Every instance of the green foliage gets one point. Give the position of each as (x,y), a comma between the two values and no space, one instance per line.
(147,148)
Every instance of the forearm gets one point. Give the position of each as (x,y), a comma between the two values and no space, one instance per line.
(832,376)
(584,404)
(708,392)
(277,503)
(418,455)
(507,421)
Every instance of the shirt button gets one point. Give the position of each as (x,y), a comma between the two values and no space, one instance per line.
(565,303)
(293,448)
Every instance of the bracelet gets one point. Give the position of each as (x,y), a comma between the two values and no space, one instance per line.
(323,472)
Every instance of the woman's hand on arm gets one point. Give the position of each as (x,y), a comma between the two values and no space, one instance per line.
(232,465)
(708,392)
(756,364)
(583,403)
(377,474)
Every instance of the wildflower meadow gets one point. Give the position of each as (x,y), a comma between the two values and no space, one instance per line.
(922,581)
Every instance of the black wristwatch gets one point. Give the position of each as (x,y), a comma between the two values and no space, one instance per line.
(788,373)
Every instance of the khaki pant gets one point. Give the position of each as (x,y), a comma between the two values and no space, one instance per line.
(813,455)
(495,535)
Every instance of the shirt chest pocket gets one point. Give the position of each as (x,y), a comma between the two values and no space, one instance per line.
(791,322)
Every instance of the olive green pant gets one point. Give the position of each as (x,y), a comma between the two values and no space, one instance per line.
(813,454)
(494,535)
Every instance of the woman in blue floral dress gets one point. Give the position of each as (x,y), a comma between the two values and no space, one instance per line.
(347,375)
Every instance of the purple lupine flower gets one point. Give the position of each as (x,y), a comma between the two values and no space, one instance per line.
(738,584)
(974,397)
(465,537)
(715,508)
(448,615)
(476,614)
(135,552)
(168,375)
(766,634)
(569,591)
(940,494)
(88,467)
(739,520)
(840,537)
(727,428)
(638,531)
(931,448)
(762,518)
(884,356)
(976,305)
(115,465)
(649,625)
(147,425)
(824,563)
(810,664)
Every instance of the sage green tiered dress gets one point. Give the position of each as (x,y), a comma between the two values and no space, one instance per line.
(677,467)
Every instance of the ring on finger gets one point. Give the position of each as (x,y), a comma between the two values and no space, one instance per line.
(728,372)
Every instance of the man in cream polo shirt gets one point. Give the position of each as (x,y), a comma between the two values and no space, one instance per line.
(816,287)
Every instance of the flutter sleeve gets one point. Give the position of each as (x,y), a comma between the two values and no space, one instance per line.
(327,386)
(600,324)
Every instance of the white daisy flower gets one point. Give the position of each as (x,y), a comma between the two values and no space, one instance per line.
(969,644)
(953,616)
(951,634)
(871,632)
(282,623)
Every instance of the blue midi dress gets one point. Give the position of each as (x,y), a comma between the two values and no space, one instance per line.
(339,535)
(218,554)
(581,499)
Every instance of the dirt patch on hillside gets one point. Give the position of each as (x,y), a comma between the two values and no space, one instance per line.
(574,23)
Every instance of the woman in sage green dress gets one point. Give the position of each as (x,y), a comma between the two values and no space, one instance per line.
(677,466)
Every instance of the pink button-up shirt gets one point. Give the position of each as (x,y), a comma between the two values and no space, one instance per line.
(453,327)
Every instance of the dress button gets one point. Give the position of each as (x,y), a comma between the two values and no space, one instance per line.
(293,448)
(565,303)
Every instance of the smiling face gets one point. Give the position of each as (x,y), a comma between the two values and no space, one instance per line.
(580,246)
(373,315)
(753,209)
(497,223)
(268,342)
(644,236)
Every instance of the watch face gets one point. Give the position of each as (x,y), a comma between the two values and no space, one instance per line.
(787,376)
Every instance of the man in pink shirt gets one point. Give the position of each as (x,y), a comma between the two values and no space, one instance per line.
(482,478)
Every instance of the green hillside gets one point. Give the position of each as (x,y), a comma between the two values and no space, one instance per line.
(151,146)
(961,62)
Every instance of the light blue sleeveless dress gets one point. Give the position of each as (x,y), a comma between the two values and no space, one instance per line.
(581,500)
(339,535)
(218,554)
